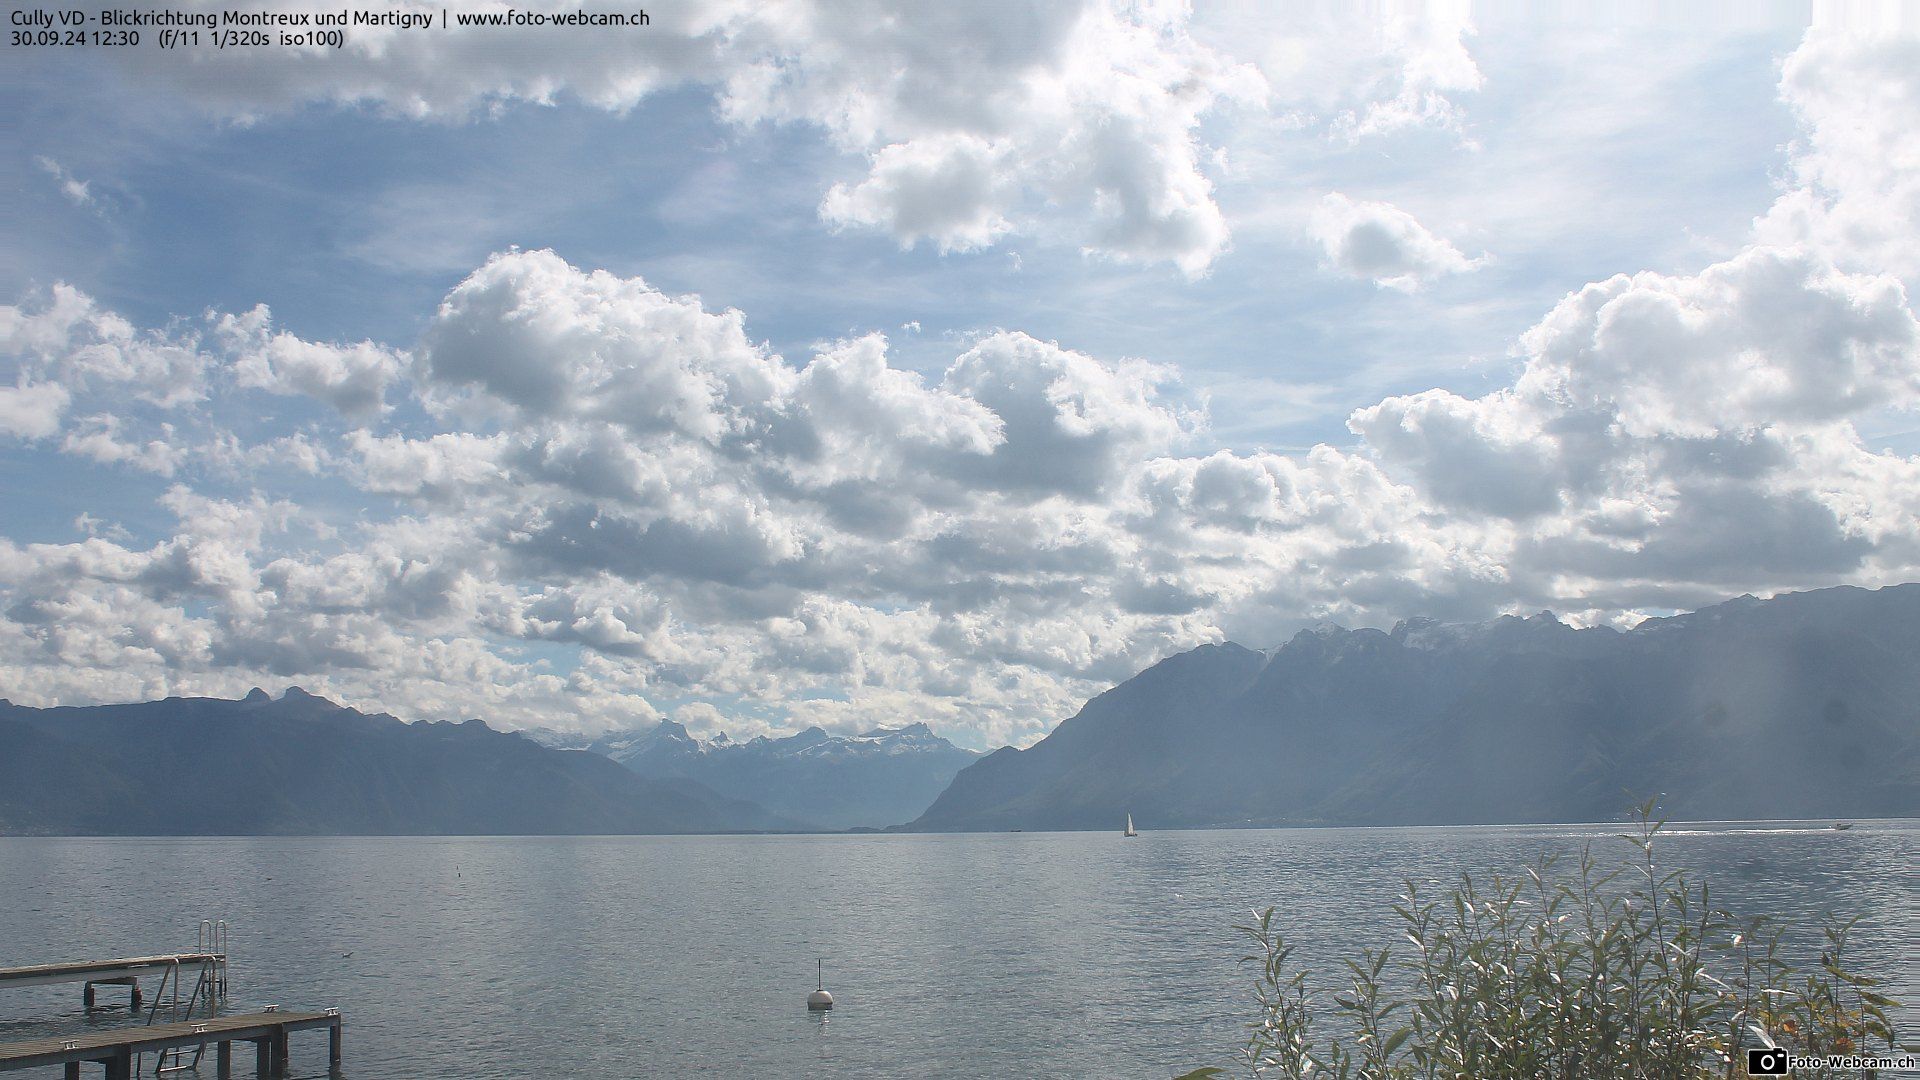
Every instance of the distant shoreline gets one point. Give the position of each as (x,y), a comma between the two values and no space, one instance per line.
(1675,827)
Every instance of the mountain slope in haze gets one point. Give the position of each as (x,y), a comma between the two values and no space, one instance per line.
(303,765)
(1806,705)
(884,777)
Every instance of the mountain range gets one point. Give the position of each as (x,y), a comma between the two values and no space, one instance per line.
(884,777)
(1805,705)
(304,765)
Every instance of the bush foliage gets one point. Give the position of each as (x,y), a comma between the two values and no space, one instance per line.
(1623,972)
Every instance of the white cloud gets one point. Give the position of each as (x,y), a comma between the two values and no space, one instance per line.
(949,190)
(1769,337)
(1356,71)
(76,190)
(1382,242)
(351,378)
(628,474)
(531,334)
(972,118)
(446,466)
(1426,66)
(1489,455)
(1679,436)
(1076,123)
(94,526)
(1855,195)
(68,337)
(32,410)
(864,418)
(97,437)
(1070,424)
(974,121)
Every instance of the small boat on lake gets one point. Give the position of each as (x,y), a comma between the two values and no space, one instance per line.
(1129,831)
(1843,826)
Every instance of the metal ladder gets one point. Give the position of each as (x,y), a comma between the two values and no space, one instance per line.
(209,990)
(211,937)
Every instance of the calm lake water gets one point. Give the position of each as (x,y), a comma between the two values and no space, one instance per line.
(1024,954)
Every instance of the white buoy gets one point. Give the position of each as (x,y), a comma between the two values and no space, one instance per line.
(820,1000)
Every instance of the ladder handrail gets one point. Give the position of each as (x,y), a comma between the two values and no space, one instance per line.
(210,938)
(170,972)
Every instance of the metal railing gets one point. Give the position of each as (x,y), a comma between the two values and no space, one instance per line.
(209,990)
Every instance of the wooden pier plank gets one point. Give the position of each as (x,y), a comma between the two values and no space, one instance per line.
(101,970)
(124,1042)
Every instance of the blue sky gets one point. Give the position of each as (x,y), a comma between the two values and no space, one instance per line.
(1196,324)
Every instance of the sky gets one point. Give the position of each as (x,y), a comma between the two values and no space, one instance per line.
(854,364)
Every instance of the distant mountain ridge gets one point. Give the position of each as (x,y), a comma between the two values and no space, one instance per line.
(1805,705)
(883,777)
(304,765)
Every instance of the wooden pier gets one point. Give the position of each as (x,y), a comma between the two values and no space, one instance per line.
(125,971)
(115,1049)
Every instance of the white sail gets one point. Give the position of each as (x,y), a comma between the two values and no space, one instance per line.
(1130,831)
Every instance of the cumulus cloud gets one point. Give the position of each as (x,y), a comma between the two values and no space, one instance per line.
(1089,110)
(536,336)
(98,437)
(1633,382)
(629,476)
(1382,242)
(1012,412)
(1769,337)
(947,190)
(1485,456)
(1069,423)
(1855,192)
(351,378)
(445,466)
(66,336)
(32,411)
(1673,434)
(69,337)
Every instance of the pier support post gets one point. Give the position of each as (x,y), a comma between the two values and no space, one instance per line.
(120,1065)
(333,1045)
(223,1060)
(86,997)
(136,995)
(73,1070)
(280,1053)
(263,1056)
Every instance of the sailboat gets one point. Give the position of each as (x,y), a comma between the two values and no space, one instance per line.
(1129,831)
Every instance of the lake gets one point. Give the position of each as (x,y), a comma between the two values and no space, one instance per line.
(1020,954)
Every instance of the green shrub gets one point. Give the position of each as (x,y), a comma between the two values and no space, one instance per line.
(1629,972)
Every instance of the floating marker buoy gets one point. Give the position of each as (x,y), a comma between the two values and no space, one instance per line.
(820,1000)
